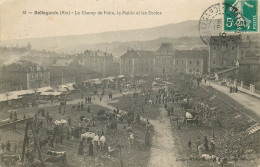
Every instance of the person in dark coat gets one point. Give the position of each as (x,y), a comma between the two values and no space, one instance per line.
(80,149)
(189,145)
(147,138)
(8,146)
(90,149)
(206,143)
(3,147)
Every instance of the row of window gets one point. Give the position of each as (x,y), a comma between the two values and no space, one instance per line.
(224,47)
(163,70)
(165,62)
(91,64)
(36,76)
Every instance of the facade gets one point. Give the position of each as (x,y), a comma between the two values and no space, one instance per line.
(224,52)
(97,61)
(135,62)
(25,74)
(165,60)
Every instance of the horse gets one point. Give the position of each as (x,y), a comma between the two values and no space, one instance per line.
(88,135)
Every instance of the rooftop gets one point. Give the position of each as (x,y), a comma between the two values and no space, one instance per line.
(23,66)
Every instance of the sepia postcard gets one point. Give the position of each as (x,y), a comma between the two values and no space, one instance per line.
(129,83)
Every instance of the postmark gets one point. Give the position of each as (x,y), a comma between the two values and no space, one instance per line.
(211,21)
(246,15)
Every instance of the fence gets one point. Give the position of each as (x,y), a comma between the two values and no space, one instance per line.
(257,91)
(247,89)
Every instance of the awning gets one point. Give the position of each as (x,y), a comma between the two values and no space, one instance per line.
(44,89)
(51,93)
(14,95)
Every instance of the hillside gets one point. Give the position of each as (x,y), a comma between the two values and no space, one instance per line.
(72,43)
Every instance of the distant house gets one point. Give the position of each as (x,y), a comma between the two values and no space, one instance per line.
(25,75)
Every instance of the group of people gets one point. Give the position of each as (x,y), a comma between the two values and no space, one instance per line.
(233,89)
(7,147)
(205,146)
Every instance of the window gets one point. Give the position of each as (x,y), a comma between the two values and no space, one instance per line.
(129,69)
(177,62)
(190,62)
(190,70)
(198,70)
(233,48)
(198,62)
(129,61)
(214,55)
(177,69)
(242,51)
(215,48)
(214,62)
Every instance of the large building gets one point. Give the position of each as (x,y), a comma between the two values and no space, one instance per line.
(224,52)
(165,60)
(97,61)
(24,75)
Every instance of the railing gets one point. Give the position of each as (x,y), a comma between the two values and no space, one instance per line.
(246,87)
(257,91)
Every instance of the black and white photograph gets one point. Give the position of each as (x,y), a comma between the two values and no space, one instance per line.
(129,83)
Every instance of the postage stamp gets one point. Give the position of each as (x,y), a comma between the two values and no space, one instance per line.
(245,18)
(229,17)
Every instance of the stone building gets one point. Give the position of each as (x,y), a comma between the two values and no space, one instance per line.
(191,61)
(165,60)
(24,75)
(97,61)
(225,51)
(135,62)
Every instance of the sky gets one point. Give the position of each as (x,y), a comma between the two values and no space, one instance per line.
(15,25)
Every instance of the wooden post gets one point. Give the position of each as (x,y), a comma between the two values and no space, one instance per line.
(24,140)
(121,160)
(37,144)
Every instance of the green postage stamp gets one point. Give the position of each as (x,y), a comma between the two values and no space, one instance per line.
(241,15)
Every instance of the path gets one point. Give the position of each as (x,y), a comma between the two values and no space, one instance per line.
(162,150)
(247,101)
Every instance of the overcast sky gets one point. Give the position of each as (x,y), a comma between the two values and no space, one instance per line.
(15,25)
